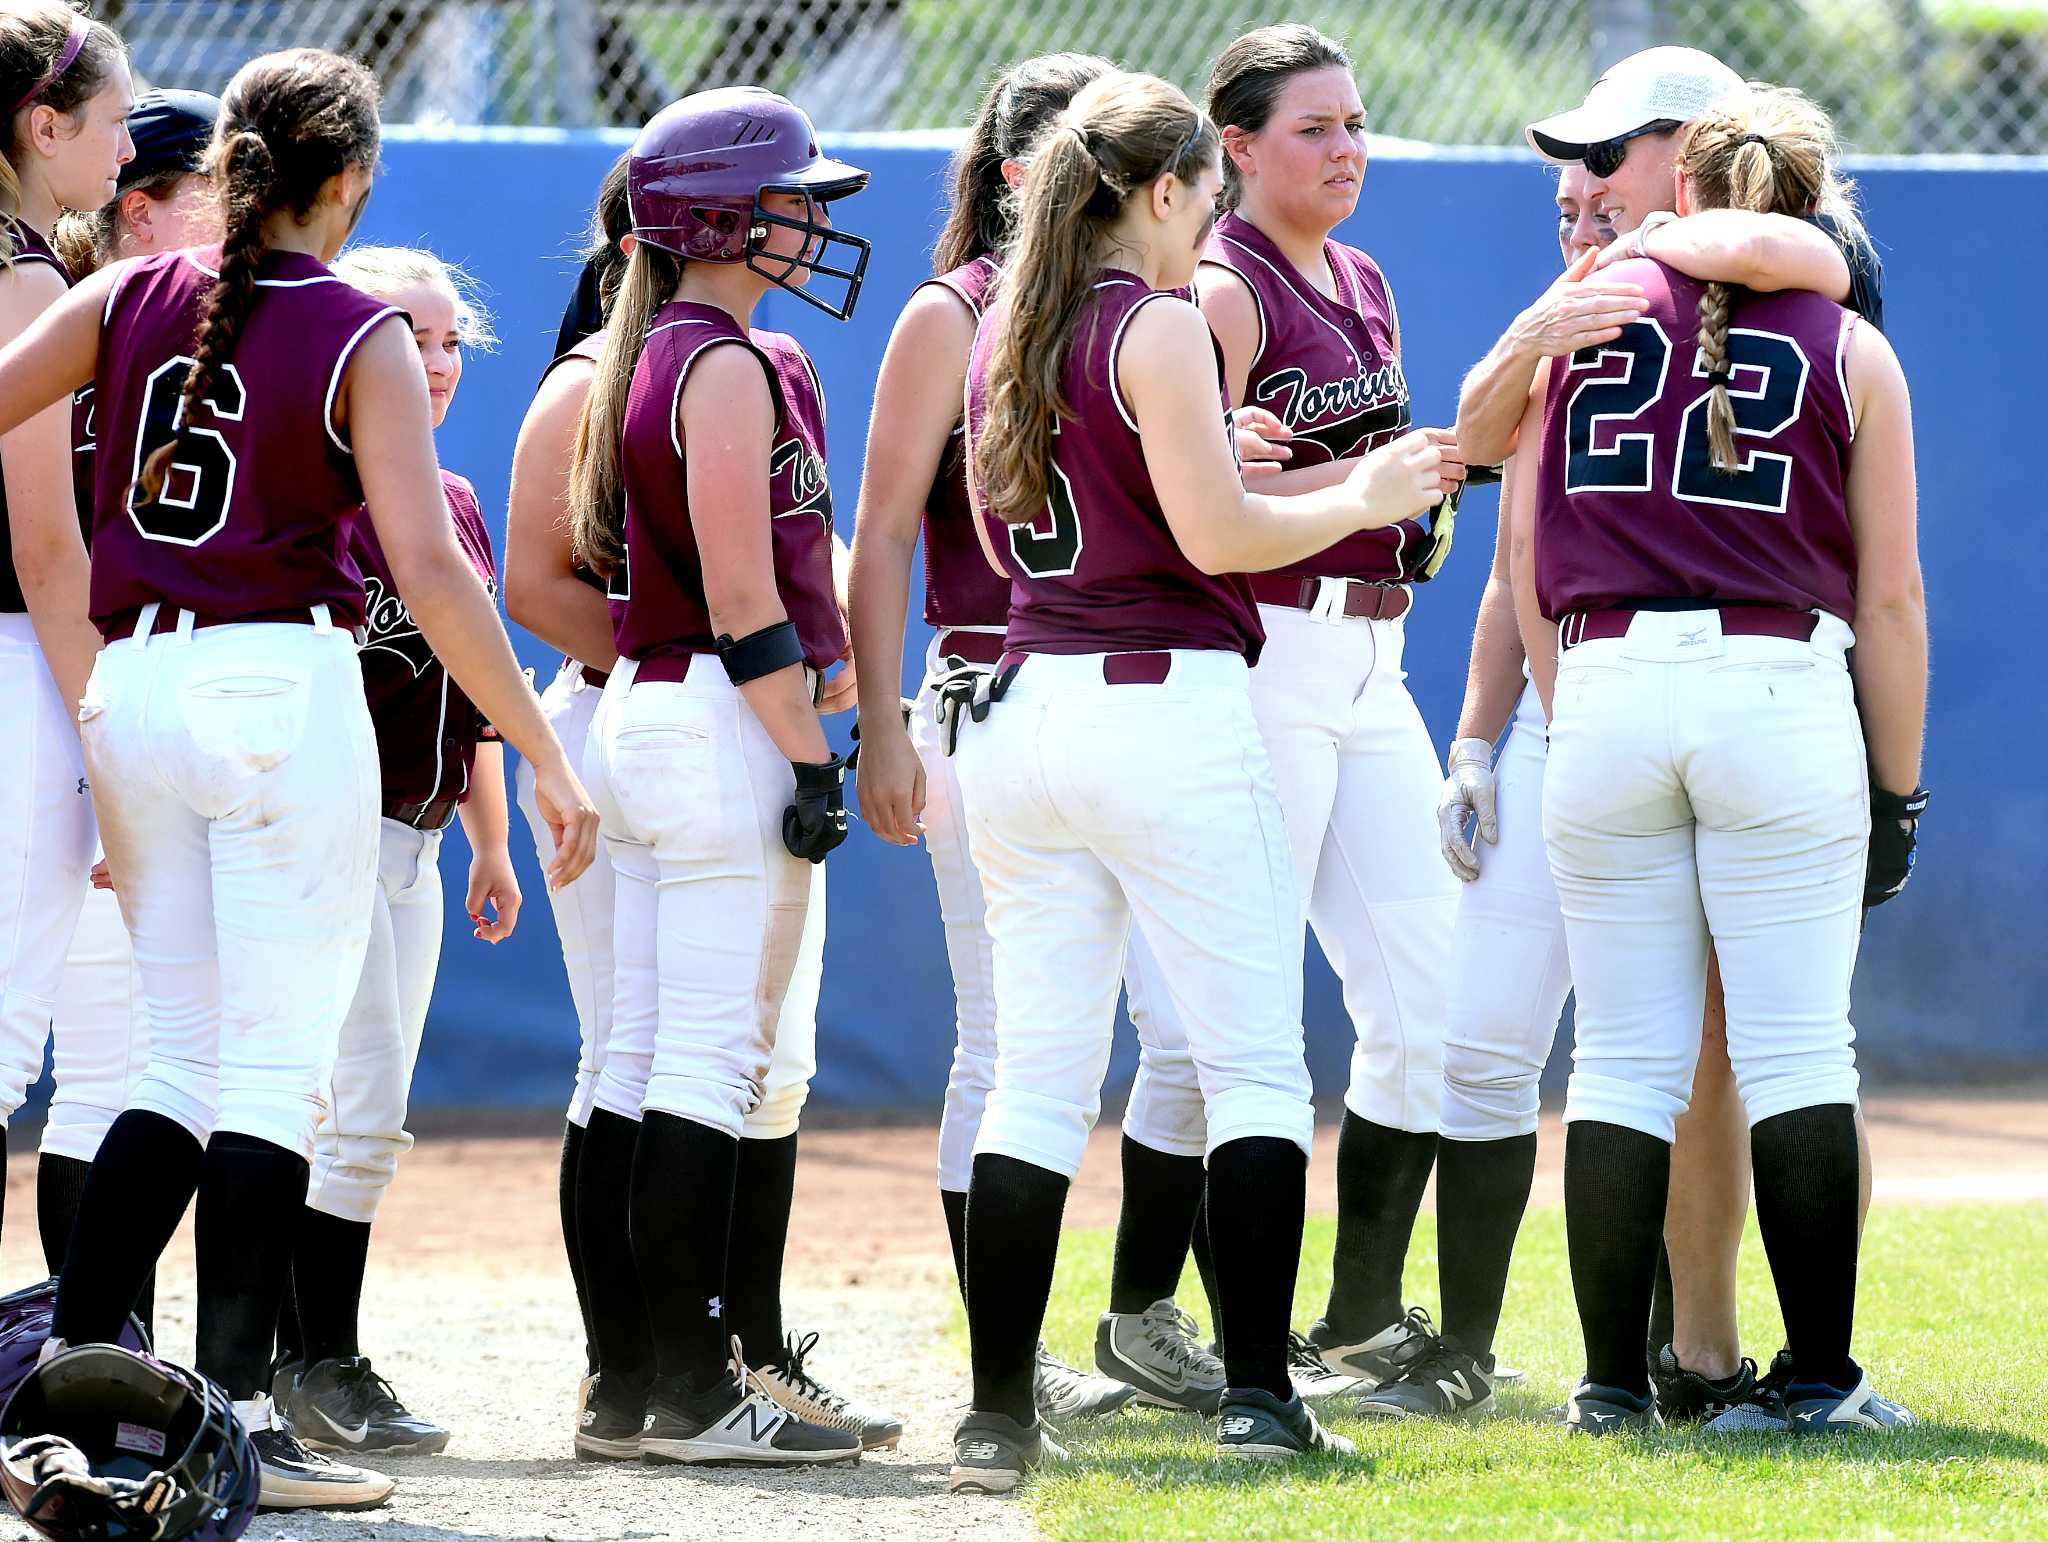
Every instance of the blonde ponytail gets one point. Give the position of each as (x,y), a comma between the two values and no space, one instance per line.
(597,480)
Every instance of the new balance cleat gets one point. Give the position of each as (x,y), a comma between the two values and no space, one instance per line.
(735,1426)
(609,1422)
(788,1380)
(1598,1410)
(1157,1352)
(1063,1392)
(1312,1375)
(1379,1356)
(1443,1383)
(992,1453)
(1256,1426)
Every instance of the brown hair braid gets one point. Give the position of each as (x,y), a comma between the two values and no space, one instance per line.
(288,122)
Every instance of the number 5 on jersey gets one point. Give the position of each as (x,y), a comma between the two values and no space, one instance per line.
(192,505)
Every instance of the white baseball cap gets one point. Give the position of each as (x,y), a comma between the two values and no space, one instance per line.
(1674,85)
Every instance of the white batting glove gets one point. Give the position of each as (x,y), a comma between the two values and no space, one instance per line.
(1467,799)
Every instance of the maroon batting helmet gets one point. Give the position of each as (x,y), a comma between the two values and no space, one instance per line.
(697,174)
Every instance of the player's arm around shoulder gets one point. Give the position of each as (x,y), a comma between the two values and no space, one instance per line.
(1890,659)
(1518,508)
(1764,252)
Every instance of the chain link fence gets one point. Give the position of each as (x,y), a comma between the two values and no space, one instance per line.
(1901,76)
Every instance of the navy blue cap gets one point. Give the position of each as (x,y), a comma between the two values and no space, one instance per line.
(171,130)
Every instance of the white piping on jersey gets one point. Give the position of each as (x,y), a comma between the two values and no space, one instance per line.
(1116,344)
(1842,369)
(268,283)
(441,732)
(675,406)
(340,365)
(1307,304)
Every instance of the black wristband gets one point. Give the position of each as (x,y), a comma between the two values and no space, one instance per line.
(819,775)
(1894,805)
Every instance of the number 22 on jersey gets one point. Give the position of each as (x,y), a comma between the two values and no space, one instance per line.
(1768,389)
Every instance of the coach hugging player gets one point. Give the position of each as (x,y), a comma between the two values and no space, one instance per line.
(1152,419)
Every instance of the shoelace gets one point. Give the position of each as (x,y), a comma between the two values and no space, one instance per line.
(369,1395)
(1438,1359)
(807,1384)
(1418,1319)
(1304,1356)
(1175,1336)
(1054,1369)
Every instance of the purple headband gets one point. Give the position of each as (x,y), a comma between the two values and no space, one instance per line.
(81,28)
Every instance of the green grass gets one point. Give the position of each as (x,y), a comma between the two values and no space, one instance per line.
(1951,1323)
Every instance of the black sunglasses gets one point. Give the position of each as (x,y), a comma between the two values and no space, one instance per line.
(1604,159)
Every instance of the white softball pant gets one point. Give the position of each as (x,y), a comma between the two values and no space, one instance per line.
(711,909)
(46,844)
(1510,972)
(362,1135)
(1358,782)
(1701,788)
(100,1040)
(1089,806)
(583,909)
(235,771)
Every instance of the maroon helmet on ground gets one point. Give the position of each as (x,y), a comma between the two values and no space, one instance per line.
(697,174)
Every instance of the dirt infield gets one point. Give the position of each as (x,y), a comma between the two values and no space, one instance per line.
(469,1311)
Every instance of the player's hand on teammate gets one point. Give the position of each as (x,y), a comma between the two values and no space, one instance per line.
(101,878)
(1262,447)
(1577,311)
(890,785)
(571,819)
(492,903)
(1467,803)
(1399,480)
(841,690)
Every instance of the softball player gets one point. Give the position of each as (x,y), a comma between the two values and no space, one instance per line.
(1510,974)
(66,80)
(907,782)
(1309,331)
(1705,592)
(438,760)
(239,821)
(717,787)
(562,602)
(100,1040)
(1126,675)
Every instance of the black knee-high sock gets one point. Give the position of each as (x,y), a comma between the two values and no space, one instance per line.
(1013,1236)
(1381,1173)
(1663,1311)
(954,1203)
(1258,1191)
(327,1269)
(1154,1225)
(761,1198)
(682,1197)
(1205,1266)
(1806,1171)
(1615,1183)
(291,1334)
(60,1185)
(618,1309)
(135,1195)
(1482,1188)
(565,1197)
(243,1261)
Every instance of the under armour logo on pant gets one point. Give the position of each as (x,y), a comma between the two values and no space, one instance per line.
(717,1308)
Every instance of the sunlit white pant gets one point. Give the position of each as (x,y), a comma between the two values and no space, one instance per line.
(583,909)
(100,1040)
(1090,806)
(712,912)
(1510,973)
(1701,788)
(46,843)
(362,1135)
(235,772)
(1358,783)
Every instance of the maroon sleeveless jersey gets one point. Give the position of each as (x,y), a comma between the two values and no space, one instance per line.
(427,729)
(658,604)
(254,515)
(959,587)
(28,247)
(1328,370)
(1629,505)
(1099,571)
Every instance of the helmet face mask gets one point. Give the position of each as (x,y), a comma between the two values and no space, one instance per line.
(698,175)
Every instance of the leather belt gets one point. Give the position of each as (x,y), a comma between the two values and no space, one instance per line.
(1583,626)
(121,625)
(1363,600)
(435,814)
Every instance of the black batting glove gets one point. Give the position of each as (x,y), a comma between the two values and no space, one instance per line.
(1894,833)
(816,821)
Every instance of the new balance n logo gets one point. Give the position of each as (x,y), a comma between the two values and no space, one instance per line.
(762,1418)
